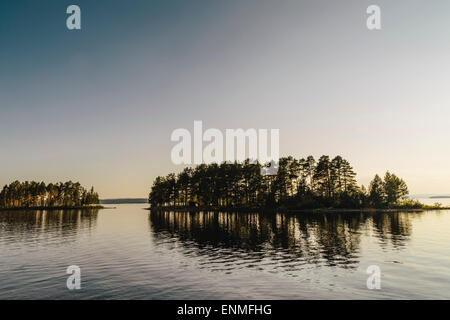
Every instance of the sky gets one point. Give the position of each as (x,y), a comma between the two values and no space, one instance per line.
(98,105)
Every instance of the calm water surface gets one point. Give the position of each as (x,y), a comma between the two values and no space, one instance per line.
(128,253)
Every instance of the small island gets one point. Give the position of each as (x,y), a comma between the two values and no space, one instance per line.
(299,185)
(53,196)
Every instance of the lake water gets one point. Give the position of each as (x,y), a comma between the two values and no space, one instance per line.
(128,253)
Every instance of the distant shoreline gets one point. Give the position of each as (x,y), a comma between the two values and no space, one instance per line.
(124,201)
(53,208)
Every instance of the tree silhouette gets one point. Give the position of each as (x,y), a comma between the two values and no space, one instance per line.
(38,194)
(302,183)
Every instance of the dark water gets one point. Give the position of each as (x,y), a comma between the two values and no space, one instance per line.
(128,253)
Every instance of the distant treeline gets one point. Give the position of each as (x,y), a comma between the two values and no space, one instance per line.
(298,184)
(38,194)
(123,201)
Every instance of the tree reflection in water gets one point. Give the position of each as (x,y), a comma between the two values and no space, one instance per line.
(29,226)
(229,241)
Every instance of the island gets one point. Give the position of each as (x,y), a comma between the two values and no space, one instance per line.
(299,185)
(39,195)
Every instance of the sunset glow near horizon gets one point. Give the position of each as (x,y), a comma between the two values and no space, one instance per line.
(98,105)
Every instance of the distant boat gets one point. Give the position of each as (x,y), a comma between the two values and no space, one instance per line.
(440,197)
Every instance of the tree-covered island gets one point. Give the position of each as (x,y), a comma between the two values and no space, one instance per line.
(303,184)
(38,195)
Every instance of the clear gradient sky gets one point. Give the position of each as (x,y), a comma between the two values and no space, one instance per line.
(98,105)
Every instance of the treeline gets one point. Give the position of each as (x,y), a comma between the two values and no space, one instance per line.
(38,194)
(301,184)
